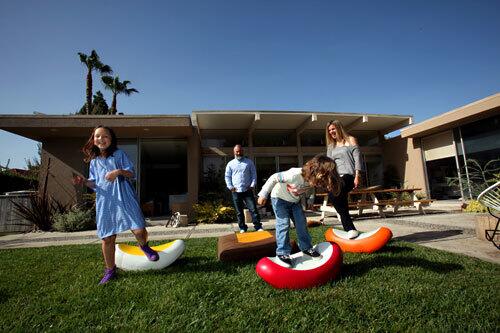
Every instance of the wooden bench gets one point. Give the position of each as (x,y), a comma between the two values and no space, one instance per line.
(370,199)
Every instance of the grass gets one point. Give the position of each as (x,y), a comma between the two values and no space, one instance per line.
(405,287)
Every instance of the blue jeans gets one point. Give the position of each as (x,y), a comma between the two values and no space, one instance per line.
(246,197)
(284,211)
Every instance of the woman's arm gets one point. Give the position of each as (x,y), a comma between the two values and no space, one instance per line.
(357,161)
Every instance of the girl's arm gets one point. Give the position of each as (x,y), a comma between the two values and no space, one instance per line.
(110,176)
(125,167)
(79,180)
(267,188)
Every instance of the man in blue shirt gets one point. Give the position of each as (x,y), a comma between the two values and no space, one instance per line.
(241,179)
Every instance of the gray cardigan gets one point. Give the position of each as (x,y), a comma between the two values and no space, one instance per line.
(347,159)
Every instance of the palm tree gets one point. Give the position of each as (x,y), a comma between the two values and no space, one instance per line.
(117,87)
(93,63)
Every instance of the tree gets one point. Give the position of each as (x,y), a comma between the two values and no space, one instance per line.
(93,63)
(117,87)
(33,164)
(99,105)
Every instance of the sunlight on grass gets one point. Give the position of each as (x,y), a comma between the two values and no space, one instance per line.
(404,287)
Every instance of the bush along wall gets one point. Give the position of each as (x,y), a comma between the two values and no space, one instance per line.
(10,182)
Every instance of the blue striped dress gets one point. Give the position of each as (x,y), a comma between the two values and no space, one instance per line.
(117,207)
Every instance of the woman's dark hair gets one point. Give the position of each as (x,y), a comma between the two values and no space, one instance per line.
(321,172)
(91,151)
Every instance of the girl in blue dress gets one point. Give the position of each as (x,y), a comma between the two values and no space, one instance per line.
(117,207)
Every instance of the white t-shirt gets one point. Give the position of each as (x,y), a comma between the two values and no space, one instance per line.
(287,185)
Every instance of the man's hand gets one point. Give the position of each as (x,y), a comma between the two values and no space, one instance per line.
(261,201)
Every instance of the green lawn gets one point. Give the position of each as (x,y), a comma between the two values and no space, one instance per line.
(403,288)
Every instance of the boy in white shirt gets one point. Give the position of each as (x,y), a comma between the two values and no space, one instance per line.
(286,189)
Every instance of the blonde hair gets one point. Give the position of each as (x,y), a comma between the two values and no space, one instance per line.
(342,135)
(321,172)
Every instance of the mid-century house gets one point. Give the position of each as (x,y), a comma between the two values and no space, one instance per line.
(171,153)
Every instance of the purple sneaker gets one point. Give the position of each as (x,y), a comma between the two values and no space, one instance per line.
(151,254)
(109,274)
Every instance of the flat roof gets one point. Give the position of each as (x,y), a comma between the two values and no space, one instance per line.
(474,111)
(295,120)
(38,127)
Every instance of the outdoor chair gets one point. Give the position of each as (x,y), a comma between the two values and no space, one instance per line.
(490,198)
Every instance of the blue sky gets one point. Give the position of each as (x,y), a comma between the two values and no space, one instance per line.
(419,58)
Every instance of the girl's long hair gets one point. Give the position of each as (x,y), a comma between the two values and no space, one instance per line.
(321,172)
(91,151)
(342,135)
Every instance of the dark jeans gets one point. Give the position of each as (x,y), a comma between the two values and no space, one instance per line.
(246,197)
(341,204)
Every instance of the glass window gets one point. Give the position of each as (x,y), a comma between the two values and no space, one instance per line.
(212,184)
(374,171)
(481,135)
(287,162)
(312,138)
(274,138)
(130,148)
(223,138)
(266,167)
(366,138)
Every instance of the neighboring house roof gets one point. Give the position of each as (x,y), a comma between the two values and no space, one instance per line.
(477,110)
(21,172)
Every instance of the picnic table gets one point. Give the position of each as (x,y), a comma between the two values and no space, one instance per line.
(379,200)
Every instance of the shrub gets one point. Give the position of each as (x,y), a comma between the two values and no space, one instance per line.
(474,206)
(420,195)
(76,219)
(214,212)
(40,212)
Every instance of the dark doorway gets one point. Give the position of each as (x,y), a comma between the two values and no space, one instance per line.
(439,171)
(163,174)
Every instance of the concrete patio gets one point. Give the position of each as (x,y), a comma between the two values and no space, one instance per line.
(443,227)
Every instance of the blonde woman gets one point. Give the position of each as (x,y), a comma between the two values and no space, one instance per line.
(343,149)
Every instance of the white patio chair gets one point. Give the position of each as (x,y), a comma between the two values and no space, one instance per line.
(490,198)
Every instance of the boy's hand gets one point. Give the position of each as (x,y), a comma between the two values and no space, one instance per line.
(261,201)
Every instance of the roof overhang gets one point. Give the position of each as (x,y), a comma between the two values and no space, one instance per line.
(478,110)
(298,121)
(40,127)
